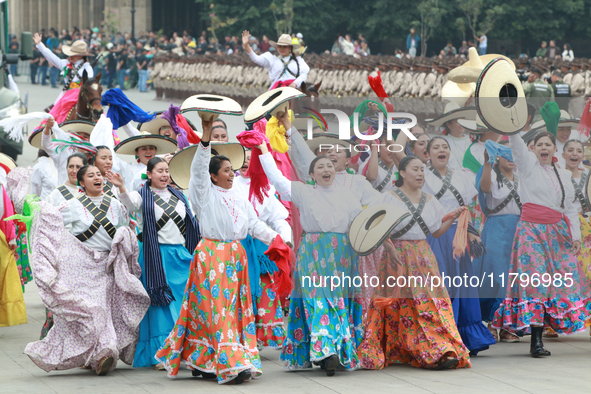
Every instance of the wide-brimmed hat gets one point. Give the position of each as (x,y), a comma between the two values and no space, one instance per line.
(331,139)
(284,39)
(273,102)
(7,161)
(78,48)
(212,105)
(499,98)
(71,126)
(458,92)
(163,144)
(453,111)
(179,166)
(471,70)
(565,121)
(475,126)
(373,225)
(153,126)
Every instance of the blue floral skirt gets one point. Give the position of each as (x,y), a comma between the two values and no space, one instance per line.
(323,322)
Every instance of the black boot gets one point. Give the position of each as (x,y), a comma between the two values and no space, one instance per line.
(330,364)
(537,348)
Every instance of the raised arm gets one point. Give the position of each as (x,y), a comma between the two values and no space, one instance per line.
(199,184)
(485,180)
(276,178)
(524,159)
(49,55)
(300,154)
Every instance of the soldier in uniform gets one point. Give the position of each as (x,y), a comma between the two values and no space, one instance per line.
(576,104)
(561,90)
(537,91)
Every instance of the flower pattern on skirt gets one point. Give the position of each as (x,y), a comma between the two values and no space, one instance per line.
(269,316)
(564,305)
(321,322)
(215,332)
(419,329)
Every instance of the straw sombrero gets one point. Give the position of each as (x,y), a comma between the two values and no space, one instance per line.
(71,126)
(179,166)
(284,39)
(499,98)
(153,126)
(471,70)
(458,92)
(7,161)
(565,121)
(163,144)
(475,126)
(273,102)
(330,139)
(78,48)
(373,225)
(452,111)
(211,104)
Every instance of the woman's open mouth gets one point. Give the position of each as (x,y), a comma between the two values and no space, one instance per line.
(544,155)
(441,157)
(326,177)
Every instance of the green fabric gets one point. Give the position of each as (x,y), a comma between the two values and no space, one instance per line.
(30,209)
(362,110)
(551,115)
(470,162)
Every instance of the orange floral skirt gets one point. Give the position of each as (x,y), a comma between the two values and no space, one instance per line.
(215,332)
(414,325)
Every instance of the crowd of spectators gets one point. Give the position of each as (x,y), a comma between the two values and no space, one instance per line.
(126,61)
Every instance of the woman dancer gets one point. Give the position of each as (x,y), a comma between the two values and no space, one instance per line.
(453,189)
(70,189)
(500,187)
(324,327)
(547,242)
(169,234)
(57,197)
(215,334)
(87,281)
(415,324)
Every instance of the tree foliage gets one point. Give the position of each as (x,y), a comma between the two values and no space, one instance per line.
(381,21)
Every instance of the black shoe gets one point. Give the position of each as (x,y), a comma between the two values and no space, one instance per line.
(208,376)
(537,348)
(450,363)
(242,376)
(331,364)
(196,373)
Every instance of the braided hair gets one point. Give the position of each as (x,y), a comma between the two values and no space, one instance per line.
(293,56)
(553,140)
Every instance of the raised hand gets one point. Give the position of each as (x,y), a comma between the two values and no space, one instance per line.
(37,38)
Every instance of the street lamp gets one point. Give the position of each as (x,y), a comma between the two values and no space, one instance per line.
(133,19)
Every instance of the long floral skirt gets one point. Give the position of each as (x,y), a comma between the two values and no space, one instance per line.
(464,299)
(215,332)
(160,319)
(418,329)
(549,287)
(96,298)
(497,237)
(321,322)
